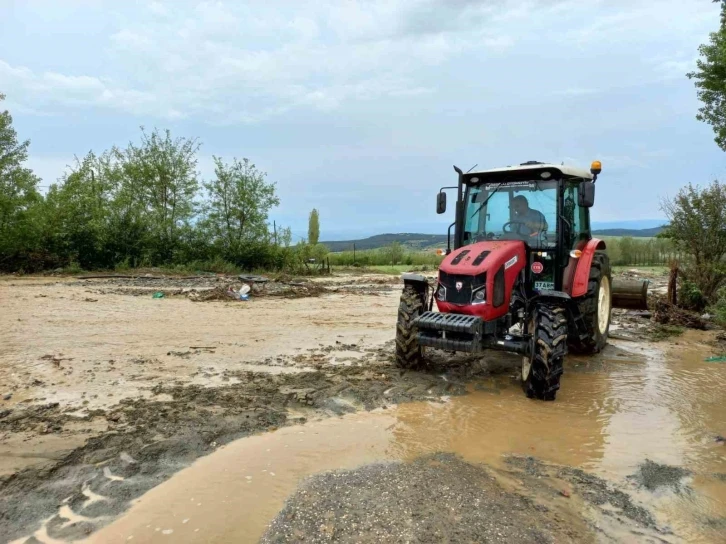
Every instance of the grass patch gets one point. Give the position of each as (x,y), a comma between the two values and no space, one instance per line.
(387,269)
(664,332)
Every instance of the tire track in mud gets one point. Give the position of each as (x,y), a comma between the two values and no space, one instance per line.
(148,440)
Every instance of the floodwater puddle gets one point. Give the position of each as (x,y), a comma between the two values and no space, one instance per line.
(614,412)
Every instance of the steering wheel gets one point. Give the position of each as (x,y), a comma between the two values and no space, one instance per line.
(507,227)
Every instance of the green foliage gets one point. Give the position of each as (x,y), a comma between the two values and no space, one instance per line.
(394,253)
(663,332)
(718,309)
(19,198)
(698,228)
(314,227)
(640,251)
(710,81)
(239,200)
(160,180)
(690,296)
(380,257)
(140,206)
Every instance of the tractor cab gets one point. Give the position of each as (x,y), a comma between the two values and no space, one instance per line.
(544,206)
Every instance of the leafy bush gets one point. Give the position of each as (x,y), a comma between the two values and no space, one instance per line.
(718,309)
(690,296)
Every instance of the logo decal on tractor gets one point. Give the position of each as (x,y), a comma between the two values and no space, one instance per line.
(459,285)
(537,267)
(511,262)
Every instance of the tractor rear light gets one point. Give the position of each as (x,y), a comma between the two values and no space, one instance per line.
(575,253)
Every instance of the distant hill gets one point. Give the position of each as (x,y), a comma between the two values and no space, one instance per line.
(416,241)
(635,233)
(410,240)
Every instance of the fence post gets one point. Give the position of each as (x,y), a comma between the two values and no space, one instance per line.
(673,284)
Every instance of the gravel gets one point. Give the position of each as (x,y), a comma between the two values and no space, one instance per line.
(436,498)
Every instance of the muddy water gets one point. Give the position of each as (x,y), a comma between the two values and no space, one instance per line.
(614,411)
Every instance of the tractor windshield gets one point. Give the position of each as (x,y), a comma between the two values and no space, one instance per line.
(521,210)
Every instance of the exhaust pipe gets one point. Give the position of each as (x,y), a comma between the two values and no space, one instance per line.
(630,294)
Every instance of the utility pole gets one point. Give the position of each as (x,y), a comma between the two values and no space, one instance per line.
(353,252)
(274,228)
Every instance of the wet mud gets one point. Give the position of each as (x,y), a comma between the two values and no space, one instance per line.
(129,398)
(148,440)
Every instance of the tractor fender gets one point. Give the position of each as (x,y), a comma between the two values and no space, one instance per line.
(418,282)
(578,270)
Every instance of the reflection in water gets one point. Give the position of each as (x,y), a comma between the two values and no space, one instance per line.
(614,411)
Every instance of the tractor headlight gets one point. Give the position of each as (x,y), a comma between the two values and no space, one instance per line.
(478,297)
(441,294)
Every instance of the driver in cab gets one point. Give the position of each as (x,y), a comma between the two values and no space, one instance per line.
(532,222)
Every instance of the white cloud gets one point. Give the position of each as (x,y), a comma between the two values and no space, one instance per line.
(49,90)
(224,62)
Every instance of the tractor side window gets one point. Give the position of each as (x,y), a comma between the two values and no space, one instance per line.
(576,216)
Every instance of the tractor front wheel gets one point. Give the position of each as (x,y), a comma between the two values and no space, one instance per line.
(542,368)
(408,351)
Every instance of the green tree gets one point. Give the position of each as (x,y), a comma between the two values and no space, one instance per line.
(698,227)
(160,176)
(710,80)
(314,227)
(19,196)
(394,253)
(239,201)
(77,211)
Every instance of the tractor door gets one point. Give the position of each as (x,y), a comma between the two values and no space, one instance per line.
(576,229)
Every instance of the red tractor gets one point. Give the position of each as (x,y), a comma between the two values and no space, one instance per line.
(524,276)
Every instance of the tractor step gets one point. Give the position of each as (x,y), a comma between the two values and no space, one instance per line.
(469,324)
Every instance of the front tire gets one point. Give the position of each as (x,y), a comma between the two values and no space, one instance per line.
(408,350)
(596,307)
(543,368)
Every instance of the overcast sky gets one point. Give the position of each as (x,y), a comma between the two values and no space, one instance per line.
(360,108)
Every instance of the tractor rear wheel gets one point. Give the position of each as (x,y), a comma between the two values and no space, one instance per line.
(542,369)
(408,351)
(596,307)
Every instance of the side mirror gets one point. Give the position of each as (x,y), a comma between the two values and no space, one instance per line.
(586,194)
(441,202)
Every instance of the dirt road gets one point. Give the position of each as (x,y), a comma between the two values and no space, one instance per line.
(109,393)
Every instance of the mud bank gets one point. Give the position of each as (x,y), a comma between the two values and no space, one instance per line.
(148,440)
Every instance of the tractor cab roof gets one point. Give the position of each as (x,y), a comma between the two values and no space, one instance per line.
(528,171)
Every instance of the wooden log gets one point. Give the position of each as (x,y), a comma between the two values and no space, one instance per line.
(630,294)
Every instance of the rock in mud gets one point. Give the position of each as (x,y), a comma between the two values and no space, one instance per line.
(594,490)
(653,476)
(436,498)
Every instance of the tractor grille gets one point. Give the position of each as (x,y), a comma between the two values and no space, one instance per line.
(468,284)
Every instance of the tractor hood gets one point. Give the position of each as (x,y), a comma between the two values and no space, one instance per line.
(478,279)
(476,258)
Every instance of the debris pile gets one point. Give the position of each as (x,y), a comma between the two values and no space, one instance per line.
(670,314)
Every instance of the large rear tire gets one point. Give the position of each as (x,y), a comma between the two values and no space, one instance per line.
(408,350)
(542,369)
(596,307)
